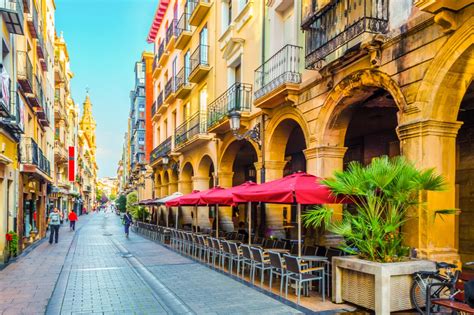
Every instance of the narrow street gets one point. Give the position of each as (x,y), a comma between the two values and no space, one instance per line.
(96,270)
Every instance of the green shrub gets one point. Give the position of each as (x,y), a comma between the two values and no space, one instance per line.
(381,194)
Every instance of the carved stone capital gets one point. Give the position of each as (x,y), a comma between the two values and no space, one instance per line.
(422,128)
(330,152)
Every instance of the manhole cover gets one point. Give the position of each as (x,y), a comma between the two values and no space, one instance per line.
(107,234)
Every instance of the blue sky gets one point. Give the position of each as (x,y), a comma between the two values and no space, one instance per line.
(105,38)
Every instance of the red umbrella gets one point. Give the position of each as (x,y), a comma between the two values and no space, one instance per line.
(224,197)
(194,199)
(299,188)
(175,202)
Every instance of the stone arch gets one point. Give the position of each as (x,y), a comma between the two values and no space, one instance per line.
(448,76)
(277,136)
(165,185)
(187,171)
(336,111)
(237,156)
(204,165)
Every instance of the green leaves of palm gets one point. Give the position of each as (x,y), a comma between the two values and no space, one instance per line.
(382,193)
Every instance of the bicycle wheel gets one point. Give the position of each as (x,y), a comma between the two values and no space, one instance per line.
(418,291)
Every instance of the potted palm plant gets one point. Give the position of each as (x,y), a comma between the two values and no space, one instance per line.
(378,275)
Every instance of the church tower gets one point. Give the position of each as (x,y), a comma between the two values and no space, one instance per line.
(87,123)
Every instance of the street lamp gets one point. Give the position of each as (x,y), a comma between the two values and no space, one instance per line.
(252,134)
(166,160)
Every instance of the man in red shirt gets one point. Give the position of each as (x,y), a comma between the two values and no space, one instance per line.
(72,220)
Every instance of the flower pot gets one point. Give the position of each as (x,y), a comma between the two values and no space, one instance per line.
(381,287)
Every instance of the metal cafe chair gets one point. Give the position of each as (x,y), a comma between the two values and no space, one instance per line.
(278,268)
(225,254)
(236,256)
(248,260)
(259,262)
(301,277)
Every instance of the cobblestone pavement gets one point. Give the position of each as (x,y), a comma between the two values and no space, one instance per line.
(98,271)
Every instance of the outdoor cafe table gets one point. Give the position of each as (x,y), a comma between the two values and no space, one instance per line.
(277,250)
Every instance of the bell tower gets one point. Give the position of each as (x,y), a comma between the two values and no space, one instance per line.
(87,123)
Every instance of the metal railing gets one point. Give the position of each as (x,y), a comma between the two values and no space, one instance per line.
(183,24)
(161,50)
(237,98)
(155,62)
(194,125)
(161,150)
(193,4)
(339,23)
(171,30)
(31,153)
(33,18)
(159,101)
(153,108)
(169,87)
(283,67)
(182,78)
(24,67)
(200,57)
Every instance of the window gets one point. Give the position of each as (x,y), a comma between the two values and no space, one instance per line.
(187,66)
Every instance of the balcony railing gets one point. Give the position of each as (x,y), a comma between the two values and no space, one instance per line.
(25,72)
(161,150)
(153,108)
(155,62)
(161,50)
(338,25)
(237,98)
(197,9)
(31,153)
(33,21)
(169,88)
(12,11)
(159,101)
(281,68)
(193,126)
(200,57)
(182,78)
(171,31)
(183,24)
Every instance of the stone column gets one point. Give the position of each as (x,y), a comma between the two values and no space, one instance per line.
(329,159)
(185,186)
(432,144)
(172,187)
(273,213)
(225,213)
(202,215)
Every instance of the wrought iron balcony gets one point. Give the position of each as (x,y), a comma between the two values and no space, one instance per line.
(36,98)
(161,150)
(169,90)
(192,127)
(25,72)
(198,10)
(32,20)
(158,102)
(171,34)
(199,63)
(12,11)
(183,31)
(237,98)
(162,53)
(156,67)
(280,69)
(153,108)
(340,26)
(60,151)
(182,85)
(32,156)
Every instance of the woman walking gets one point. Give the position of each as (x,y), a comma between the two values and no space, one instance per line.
(72,220)
(127,220)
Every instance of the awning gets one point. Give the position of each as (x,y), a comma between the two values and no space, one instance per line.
(194,199)
(162,201)
(299,188)
(225,197)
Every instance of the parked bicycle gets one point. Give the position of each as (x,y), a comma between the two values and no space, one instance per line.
(425,280)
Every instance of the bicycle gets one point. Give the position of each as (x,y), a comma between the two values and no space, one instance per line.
(441,285)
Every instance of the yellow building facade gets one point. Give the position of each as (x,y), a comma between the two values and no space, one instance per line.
(313,92)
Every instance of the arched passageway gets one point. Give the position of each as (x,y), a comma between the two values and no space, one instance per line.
(465,176)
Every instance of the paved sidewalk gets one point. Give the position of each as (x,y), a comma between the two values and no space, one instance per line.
(27,283)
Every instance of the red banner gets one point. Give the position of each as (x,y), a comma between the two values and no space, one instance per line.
(71,168)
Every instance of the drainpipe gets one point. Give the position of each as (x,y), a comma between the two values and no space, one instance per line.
(262,135)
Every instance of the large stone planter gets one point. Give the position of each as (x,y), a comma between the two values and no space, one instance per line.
(381,287)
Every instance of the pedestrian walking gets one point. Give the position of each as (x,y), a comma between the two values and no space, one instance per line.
(127,221)
(72,221)
(54,222)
